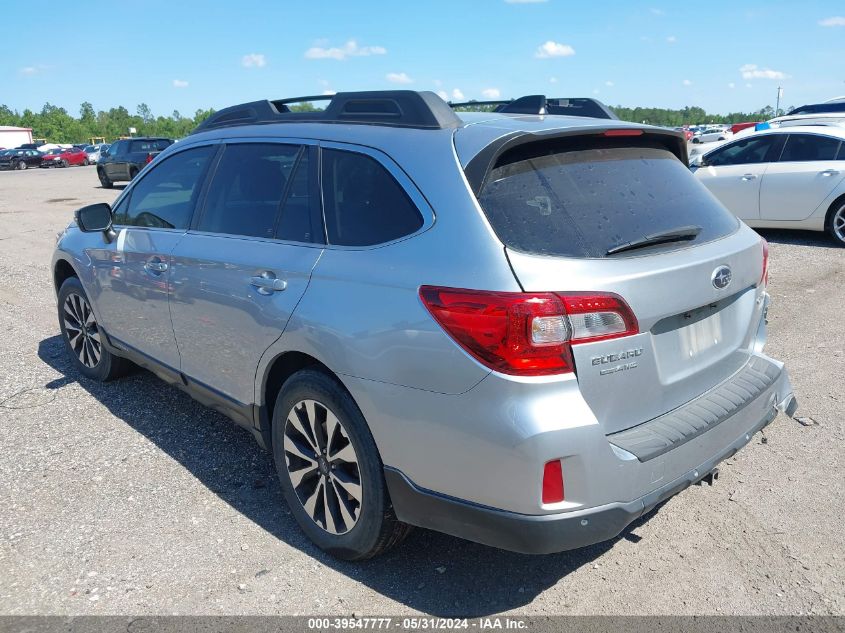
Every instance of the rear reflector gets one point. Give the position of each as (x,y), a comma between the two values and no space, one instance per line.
(764,279)
(527,334)
(623,133)
(553,482)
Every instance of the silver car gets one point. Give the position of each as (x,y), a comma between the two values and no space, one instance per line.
(520,329)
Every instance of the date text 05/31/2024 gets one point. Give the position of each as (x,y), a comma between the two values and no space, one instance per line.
(420,623)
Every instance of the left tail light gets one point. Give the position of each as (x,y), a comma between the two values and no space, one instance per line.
(527,334)
(149,159)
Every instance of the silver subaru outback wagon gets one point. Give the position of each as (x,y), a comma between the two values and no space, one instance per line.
(516,327)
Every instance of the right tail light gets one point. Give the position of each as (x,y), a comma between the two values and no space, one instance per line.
(528,334)
(764,278)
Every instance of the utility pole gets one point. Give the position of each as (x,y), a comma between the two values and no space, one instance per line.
(777,107)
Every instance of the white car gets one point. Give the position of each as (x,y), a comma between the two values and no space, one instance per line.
(781,178)
(712,134)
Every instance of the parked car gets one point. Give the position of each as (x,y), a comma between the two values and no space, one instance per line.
(94,152)
(782,178)
(125,158)
(739,127)
(64,157)
(711,134)
(397,308)
(19,159)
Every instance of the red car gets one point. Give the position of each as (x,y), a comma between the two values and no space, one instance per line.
(64,157)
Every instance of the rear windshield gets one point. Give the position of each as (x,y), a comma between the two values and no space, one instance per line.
(154,145)
(584,202)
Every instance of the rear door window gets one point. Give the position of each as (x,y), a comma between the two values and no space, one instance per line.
(246,193)
(809,147)
(363,203)
(748,151)
(584,202)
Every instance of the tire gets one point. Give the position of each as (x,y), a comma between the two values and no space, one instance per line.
(836,222)
(696,141)
(85,163)
(104,180)
(132,173)
(64,164)
(83,337)
(22,165)
(346,527)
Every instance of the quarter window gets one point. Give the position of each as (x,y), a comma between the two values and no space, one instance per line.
(165,197)
(249,184)
(809,147)
(363,203)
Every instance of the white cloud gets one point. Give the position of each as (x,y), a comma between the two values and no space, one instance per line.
(329,92)
(399,78)
(748,85)
(253,60)
(686,82)
(180,83)
(836,20)
(554,49)
(491,93)
(437,83)
(32,70)
(442,94)
(671,39)
(457,95)
(595,91)
(552,80)
(350,49)
(751,71)
(657,12)
(609,84)
(731,85)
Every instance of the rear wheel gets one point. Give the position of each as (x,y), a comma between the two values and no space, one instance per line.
(104,180)
(83,338)
(836,222)
(132,173)
(330,470)
(85,163)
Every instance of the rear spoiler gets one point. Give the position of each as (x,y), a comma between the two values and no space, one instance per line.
(478,169)
(541,104)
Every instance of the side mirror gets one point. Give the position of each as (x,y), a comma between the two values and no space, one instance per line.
(95,218)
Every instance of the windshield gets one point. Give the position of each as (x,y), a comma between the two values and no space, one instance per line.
(586,202)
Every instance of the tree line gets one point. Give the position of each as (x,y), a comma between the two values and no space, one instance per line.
(57,125)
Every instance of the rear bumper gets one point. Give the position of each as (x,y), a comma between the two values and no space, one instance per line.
(559,531)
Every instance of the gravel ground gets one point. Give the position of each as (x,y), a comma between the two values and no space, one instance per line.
(129,498)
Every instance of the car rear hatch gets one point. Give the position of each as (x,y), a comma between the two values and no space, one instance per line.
(621,214)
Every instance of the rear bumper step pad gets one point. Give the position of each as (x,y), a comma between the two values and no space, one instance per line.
(662,434)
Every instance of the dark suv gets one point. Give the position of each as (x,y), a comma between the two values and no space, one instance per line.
(125,158)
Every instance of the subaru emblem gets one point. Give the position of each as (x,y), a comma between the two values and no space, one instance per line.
(721,277)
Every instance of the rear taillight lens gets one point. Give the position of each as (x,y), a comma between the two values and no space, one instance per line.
(553,482)
(764,279)
(527,334)
(149,159)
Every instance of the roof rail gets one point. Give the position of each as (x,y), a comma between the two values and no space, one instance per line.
(541,104)
(399,108)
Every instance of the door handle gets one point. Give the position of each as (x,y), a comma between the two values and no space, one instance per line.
(749,177)
(267,283)
(829,172)
(155,265)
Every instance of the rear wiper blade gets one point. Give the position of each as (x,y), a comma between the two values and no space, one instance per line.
(664,237)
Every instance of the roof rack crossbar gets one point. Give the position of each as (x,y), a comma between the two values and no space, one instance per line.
(541,104)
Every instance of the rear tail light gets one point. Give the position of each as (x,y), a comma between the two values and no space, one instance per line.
(149,159)
(527,334)
(623,133)
(553,482)
(764,279)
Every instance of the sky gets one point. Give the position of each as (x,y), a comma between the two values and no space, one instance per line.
(186,54)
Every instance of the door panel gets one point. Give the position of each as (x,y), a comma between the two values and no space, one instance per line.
(736,186)
(792,191)
(231,299)
(132,274)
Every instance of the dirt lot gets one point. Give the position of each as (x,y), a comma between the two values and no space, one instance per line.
(130,498)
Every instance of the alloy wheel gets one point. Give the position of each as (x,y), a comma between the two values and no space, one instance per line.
(323,466)
(838,223)
(81,330)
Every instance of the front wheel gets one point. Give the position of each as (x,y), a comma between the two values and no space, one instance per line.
(696,140)
(836,223)
(330,470)
(22,165)
(84,340)
(65,163)
(104,180)
(85,163)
